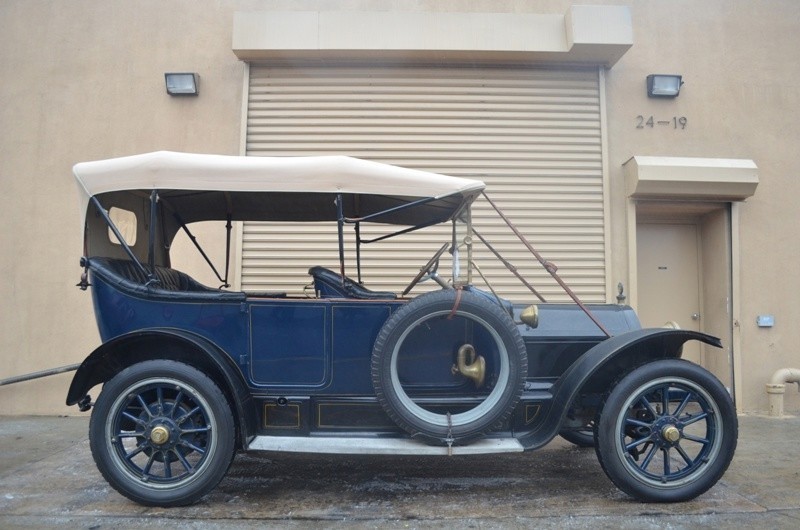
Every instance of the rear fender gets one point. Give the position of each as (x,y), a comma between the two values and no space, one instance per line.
(111,358)
(597,369)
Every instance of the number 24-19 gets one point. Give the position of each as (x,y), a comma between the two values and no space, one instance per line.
(676,122)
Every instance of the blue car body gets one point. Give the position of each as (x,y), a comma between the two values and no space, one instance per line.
(192,373)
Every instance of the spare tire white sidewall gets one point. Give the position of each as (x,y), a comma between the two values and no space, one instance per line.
(508,359)
(461,418)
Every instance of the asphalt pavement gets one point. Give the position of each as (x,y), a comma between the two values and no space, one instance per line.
(48,480)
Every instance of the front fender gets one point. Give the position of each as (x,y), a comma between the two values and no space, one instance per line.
(120,352)
(597,369)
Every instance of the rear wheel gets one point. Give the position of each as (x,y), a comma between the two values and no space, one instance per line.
(667,432)
(162,433)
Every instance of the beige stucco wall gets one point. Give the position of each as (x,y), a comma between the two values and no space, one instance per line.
(742,85)
(81,81)
(84,80)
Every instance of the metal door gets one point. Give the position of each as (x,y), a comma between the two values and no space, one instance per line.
(669,279)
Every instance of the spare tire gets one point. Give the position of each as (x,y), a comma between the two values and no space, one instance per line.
(414,359)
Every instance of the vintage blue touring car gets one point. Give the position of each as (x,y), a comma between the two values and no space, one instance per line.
(192,374)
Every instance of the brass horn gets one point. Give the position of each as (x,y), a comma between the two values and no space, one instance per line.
(470,364)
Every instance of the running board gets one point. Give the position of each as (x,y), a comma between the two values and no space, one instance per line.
(378,446)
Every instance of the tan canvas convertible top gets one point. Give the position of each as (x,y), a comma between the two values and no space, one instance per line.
(281,176)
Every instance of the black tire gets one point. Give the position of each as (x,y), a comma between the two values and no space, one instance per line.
(162,433)
(583,437)
(667,432)
(432,324)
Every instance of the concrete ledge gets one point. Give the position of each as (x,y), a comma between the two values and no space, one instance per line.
(663,177)
(584,35)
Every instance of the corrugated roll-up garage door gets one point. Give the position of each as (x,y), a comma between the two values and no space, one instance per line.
(533,135)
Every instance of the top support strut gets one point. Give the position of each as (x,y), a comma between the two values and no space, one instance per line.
(548,266)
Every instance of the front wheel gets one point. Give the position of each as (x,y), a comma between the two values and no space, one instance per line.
(667,432)
(162,433)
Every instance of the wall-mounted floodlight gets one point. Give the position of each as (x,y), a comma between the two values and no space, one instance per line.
(663,86)
(181,84)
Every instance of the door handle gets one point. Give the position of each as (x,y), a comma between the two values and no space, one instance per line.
(695,316)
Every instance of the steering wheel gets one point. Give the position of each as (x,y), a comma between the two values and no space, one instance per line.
(429,268)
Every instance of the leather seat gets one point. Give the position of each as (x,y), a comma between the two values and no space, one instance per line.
(330,285)
(172,284)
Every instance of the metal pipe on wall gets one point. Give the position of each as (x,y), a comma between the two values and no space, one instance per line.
(777,387)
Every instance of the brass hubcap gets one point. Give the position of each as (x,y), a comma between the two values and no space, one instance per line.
(671,433)
(159,435)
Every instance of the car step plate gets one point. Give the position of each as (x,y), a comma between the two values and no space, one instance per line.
(378,446)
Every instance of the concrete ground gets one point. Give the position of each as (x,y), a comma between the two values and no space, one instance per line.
(48,480)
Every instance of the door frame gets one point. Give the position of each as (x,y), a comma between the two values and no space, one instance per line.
(725,181)
(683,212)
